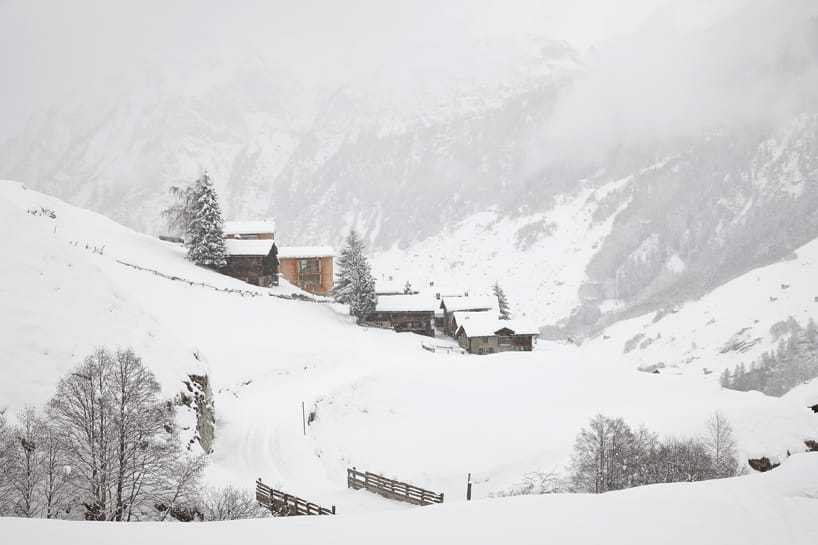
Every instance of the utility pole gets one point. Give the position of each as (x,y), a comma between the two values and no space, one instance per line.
(303,418)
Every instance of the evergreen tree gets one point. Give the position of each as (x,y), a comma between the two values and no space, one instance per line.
(354,284)
(205,239)
(505,313)
(353,248)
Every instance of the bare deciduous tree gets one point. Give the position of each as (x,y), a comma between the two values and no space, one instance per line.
(117,434)
(23,469)
(721,445)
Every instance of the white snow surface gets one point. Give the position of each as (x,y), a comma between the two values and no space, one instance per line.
(483,324)
(775,508)
(250,247)
(407,303)
(470,303)
(381,402)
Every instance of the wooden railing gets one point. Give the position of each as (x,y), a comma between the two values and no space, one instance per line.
(287,505)
(390,488)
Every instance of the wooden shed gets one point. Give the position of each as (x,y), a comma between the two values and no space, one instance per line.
(308,267)
(485,334)
(413,313)
(246,261)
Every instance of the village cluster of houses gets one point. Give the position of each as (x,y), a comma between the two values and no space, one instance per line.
(474,321)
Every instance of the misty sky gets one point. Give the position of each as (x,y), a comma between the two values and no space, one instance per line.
(48,48)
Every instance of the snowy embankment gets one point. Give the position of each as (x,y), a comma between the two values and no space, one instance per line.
(775,508)
(380,401)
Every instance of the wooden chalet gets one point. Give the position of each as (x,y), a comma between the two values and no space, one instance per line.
(450,305)
(308,267)
(253,256)
(413,313)
(253,260)
(481,333)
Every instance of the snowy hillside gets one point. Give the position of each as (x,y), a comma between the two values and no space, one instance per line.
(380,401)
(478,157)
(735,323)
(773,508)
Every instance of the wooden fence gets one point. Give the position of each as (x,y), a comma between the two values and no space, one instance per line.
(390,488)
(287,505)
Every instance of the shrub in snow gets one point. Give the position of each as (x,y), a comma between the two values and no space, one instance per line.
(535,483)
(231,503)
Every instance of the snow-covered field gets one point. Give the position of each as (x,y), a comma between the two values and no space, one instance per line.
(382,403)
(769,509)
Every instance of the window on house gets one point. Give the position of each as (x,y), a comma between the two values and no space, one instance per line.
(309,272)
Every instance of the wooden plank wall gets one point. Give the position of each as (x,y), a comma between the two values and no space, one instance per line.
(390,488)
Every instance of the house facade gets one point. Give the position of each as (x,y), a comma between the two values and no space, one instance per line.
(489,335)
(252,261)
(404,313)
(309,268)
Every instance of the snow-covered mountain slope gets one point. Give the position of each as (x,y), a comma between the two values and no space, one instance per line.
(735,323)
(780,507)
(472,157)
(380,401)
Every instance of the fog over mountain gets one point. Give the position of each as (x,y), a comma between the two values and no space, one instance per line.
(689,130)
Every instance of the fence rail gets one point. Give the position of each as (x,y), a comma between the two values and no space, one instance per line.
(287,505)
(390,488)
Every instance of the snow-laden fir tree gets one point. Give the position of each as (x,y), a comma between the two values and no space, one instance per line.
(353,247)
(354,283)
(505,313)
(205,238)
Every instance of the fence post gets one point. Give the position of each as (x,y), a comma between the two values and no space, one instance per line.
(333,509)
(468,488)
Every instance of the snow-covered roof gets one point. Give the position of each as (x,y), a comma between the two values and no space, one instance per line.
(247,246)
(472,302)
(249,227)
(237,246)
(305,251)
(483,324)
(406,303)
(461,315)
(384,285)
